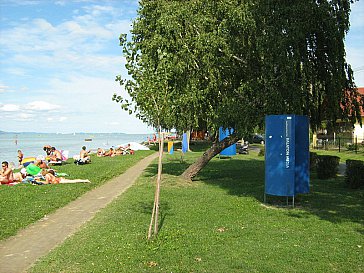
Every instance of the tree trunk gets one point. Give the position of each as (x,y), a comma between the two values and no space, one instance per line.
(155,211)
(201,162)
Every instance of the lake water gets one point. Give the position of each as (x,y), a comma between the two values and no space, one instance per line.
(32,144)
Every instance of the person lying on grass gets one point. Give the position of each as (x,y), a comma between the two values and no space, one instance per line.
(40,162)
(50,178)
(126,150)
(100,152)
(111,153)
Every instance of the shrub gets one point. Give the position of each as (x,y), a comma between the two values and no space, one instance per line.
(313,161)
(352,147)
(327,166)
(354,175)
(261,152)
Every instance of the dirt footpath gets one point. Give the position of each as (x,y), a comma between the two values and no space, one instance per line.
(19,252)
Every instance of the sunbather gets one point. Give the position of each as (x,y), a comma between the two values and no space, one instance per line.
(55,155)
(6,173)
(19,176)
(111,152)
(48,149)
(50,178)
(100,152)
(20,157)
(40,162)
(84,155)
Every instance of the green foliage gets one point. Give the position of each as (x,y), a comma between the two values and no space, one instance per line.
(327,166)
(229,63)
(261,151)
(354,173)
(352,147)
(218,224)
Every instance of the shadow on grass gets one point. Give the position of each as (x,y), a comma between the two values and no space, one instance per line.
(147,207)
(333,201)
(330,200)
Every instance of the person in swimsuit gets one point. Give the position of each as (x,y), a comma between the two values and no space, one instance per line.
(40,162)
(20,157)
(100,152)
(6,173)
(52,179)
(48,149)
(84,155)
(56,155)
(111,152)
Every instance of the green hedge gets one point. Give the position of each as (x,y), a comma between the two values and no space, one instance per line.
(313,161)
(354,175)
(327,166)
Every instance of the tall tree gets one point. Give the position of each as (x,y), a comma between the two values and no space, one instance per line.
(229,63)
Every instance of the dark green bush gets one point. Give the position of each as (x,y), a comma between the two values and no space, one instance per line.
(354,175)
(261,152)
(352,147)
(313,161)
(327,166)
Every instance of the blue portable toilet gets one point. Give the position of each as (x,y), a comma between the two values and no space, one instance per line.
(184,143)
(231,150)
(286,155)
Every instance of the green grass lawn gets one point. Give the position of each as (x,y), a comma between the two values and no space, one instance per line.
(24,204)
(343,154)
(219,223)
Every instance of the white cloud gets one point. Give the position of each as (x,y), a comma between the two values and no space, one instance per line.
(9,108)
(24,116)
(113,123)
(16,71)
(73,46)
(41,106)
(66,65)
(3,88)
(60,3)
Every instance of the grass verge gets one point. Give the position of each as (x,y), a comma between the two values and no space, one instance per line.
(219,224)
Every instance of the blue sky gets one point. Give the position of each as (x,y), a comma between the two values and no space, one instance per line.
(59,59)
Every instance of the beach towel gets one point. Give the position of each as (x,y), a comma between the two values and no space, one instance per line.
(72,181)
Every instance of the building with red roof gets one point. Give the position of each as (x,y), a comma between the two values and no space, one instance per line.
(358,130)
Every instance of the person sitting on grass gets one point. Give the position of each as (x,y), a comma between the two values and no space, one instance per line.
(128,150)
(84,155)
(51,178)
(6,173)
(47,149)
(55,155)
